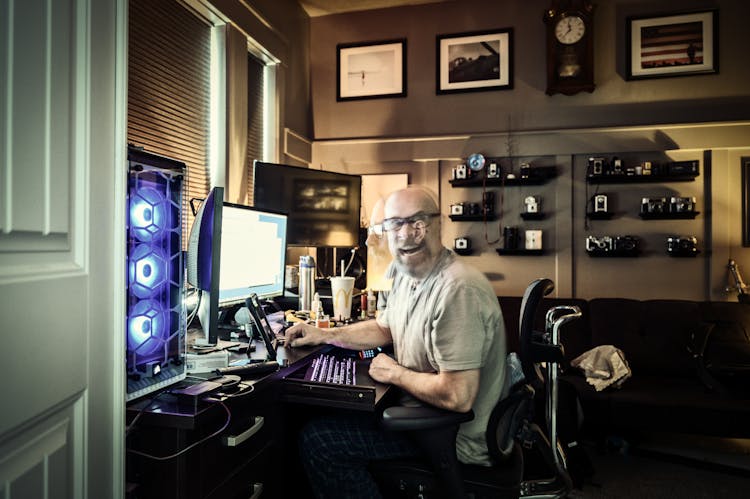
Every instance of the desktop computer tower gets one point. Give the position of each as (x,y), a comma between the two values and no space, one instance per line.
(155,316)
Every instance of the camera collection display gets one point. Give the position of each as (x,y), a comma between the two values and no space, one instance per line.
(670,206)
(602,168)
(479,171)
(631,245)
(612,245)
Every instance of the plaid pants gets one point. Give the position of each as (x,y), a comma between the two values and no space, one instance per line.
(335,451)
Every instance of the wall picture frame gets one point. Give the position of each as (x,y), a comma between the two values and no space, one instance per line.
(371,70)
(745,180)
(680,44)
(475,61)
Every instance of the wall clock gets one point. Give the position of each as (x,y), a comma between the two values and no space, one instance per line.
(570,46)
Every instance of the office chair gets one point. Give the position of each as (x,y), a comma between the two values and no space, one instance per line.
(511,426)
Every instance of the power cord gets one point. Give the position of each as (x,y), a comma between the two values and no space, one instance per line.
(194,444)
(141,411)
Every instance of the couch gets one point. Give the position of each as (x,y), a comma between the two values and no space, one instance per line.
(672,387)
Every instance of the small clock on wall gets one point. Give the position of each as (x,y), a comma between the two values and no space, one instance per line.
(570,46)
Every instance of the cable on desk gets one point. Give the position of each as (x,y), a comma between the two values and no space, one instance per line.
(141,411)
(179,453)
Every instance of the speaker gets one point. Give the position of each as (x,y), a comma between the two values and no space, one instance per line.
(155,320)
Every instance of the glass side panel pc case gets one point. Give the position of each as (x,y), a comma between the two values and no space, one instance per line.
(155,321)
(234,251)
(323,206)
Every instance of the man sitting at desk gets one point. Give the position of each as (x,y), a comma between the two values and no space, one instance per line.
(448,334)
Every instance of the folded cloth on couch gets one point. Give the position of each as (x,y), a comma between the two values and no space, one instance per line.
(603,366)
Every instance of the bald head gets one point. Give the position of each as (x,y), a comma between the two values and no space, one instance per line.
(414,198)
(414,240)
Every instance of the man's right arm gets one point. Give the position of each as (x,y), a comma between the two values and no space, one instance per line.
(358,336)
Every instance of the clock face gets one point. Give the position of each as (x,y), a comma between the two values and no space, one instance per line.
(569,29)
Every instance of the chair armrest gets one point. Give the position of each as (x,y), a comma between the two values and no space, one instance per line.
(400,418)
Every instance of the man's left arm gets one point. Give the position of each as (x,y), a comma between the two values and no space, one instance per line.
(452,390)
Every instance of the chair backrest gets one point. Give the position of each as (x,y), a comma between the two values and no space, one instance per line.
(537,290)
(507,419)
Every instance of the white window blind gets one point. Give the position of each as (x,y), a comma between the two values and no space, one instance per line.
(169,89)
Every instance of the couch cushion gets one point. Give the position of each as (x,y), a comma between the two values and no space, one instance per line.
(654,335)
(677,405)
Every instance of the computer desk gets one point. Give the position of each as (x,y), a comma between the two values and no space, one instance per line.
(252,455)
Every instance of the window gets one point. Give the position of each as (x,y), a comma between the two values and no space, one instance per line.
(169,95)
(256,121)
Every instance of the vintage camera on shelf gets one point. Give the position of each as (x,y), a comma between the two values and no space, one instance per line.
(458,209)
(598,166)
(525,170)
(488,202)
(654,205)
(533,239)
(617,168)
(600,203)
(678,168)
(603,243)
(461,172)
(473,209)
(682,244)
(493,169)
(462,243)
(625,243)
(681,204)
(532,204)
(510,238)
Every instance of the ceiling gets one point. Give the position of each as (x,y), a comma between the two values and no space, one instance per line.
(316,8)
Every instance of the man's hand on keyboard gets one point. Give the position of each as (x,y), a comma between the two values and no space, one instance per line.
(303,335)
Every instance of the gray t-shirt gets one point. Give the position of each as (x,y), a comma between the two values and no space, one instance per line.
(451,321)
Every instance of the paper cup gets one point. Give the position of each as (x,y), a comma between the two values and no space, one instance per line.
(342,289)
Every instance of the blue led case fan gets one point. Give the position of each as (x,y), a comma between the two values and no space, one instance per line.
(155,323)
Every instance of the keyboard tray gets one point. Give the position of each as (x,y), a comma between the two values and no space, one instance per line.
(365,395)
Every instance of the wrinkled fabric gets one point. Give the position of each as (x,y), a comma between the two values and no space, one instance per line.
(603,366)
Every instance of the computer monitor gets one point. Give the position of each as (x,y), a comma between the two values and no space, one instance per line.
(234,251)
(323,206)
(204,263)
(253,253)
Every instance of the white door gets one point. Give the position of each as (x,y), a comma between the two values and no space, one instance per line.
(62,83)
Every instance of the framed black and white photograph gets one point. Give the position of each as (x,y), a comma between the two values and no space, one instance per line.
(672,45)
(476,61)
(371,70)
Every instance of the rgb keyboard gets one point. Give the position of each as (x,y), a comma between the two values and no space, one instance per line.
(328,368)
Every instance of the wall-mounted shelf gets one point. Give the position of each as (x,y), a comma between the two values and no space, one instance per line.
(685,215)
(600,215)
(544,174)
(533,216)
(473,218)
(638,179)
(519,251)
(463,252)
(683,253)
(622,253)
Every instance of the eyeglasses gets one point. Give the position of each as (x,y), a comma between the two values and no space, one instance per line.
(418,222)
(375,229)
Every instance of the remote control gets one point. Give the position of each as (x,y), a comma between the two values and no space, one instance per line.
(250,370)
